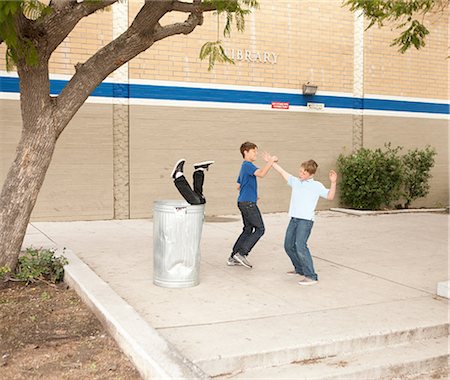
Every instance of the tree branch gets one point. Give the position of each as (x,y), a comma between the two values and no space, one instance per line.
(196,7)
(65,16)
(141,34)
(136,39)
(185,27)
(61,4)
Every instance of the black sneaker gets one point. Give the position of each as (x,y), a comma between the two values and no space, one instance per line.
(178,168)
(243,260)
(203,165)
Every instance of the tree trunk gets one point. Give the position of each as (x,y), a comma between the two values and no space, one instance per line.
(44,117)
(21,187)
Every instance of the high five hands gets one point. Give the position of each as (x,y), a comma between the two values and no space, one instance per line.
(268,158)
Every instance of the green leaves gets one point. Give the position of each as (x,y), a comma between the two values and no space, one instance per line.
(372,179)
(403,13)
(19,47)
(40,265)
(413,36)
(235,10)
(33,9)
(215,53)
(416,173)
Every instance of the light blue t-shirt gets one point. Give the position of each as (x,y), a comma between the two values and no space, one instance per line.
(304,197)
(248,191)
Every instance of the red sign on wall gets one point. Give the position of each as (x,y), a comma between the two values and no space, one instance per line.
(280,105)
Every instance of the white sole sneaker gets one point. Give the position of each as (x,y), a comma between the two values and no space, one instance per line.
(307,281)
(233,263)
(242,260)
(176,165)
(198,165)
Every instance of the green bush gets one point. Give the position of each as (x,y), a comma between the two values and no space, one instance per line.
(416,173)
(40,265)
(370,179)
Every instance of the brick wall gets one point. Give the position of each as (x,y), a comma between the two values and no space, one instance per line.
(416,73)
(313,41)
(309,46)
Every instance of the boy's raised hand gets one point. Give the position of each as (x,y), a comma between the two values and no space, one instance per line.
(333,176)
(267,157)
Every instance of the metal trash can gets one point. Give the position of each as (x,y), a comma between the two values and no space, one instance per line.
(177,230)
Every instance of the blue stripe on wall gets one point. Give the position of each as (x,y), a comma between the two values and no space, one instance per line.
(141,91)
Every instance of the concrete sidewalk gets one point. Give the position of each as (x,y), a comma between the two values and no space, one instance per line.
(376,296)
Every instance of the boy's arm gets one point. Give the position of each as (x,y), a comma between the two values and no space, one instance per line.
(333,179)
(262,172)
(280,170)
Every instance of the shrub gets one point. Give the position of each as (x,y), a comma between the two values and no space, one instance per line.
(5,272)
(370,179)
(416,173)
(40,265)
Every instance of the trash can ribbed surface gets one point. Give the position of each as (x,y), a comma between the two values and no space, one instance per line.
(177,230)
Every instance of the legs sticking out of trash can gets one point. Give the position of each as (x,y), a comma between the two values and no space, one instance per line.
(192,196)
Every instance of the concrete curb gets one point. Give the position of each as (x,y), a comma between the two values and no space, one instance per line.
(381,212)
(356,345)
(153,356)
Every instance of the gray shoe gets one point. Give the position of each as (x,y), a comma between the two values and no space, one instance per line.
(232,261)
(243,260)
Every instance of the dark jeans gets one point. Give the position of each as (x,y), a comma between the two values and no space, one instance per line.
(295,245)
(253,228)
(193,197)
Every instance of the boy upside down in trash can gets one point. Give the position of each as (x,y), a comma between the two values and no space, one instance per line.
(193,196)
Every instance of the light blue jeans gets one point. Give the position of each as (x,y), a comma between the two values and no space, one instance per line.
(295,245)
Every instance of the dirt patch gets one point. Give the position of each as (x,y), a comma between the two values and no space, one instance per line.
(46,332)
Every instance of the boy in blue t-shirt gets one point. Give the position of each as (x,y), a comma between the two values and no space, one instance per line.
(305,195)
(247,204)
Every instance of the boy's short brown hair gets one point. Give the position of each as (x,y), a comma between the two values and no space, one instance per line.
(310,166)
(246,147)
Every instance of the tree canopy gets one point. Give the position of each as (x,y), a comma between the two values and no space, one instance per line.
(21,45)
(408,16)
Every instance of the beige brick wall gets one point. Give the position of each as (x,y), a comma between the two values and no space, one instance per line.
(161,135)
(78,185)
(416,73)
(309,44)
(411,133)
(89,35)
(312,38)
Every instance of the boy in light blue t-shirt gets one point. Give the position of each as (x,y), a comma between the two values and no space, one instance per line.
(304,197)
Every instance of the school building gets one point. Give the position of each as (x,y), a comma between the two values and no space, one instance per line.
(115,157)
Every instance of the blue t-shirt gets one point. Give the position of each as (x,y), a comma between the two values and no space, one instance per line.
(304,197)
(247,179)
